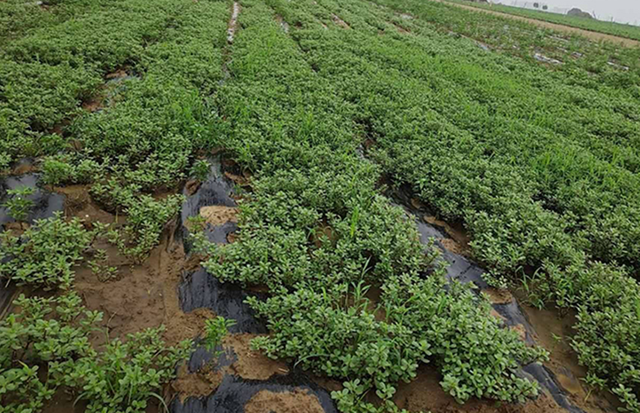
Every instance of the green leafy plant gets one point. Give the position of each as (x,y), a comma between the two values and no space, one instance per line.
(200,169)
(146,217)
(43,256)
(214,331)
(19,204)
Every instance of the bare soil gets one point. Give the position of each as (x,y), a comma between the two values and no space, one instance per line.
(142,295)
(297,401)
(251,364)
(498,296)
(199,384)
(219,214)
(425,394)
(554,332)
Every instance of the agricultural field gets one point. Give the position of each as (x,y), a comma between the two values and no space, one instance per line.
(286,206)
(617,29)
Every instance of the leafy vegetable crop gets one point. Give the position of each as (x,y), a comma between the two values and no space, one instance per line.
(537,156)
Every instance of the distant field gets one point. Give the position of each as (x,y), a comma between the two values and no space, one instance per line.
(616,29)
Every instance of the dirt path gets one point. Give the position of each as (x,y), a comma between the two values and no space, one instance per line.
(596,36)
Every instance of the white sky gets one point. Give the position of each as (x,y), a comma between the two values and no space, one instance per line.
(623,11)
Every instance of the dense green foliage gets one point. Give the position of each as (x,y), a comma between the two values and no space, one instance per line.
(616,29)
(44,255)
(19,205)
(148,128)
(506,147)
(539,161)
(319,234)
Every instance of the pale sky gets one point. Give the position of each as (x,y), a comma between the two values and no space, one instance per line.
(623,11)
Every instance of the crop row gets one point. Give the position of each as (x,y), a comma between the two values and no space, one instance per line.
(505,147)
(146,68)
(317,232)
(539,164)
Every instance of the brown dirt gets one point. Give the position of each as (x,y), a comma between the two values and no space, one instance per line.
(17,228)
(455,231)
(498,296)
(596,36)
(452,246)
(183,326)
(337,20)
(78,203)
(218,214)
(402,30)
(497,315)
(232,237)
(424,393)
(326,383)
(200,384)
(458,243)
(63,402)
(242,180)
(297,401)
(118,74)
(252,365)
(23,168)
(192,186)
(522,332)
(93,105)
(417,204)
(141,296)
(553,332)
